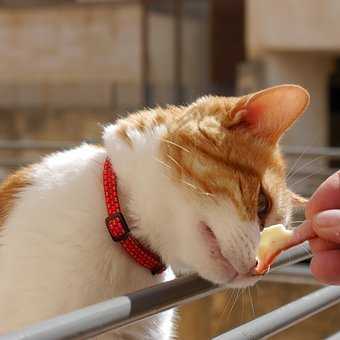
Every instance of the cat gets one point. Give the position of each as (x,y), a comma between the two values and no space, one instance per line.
(196,184)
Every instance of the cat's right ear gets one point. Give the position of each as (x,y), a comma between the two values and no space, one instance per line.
(269,113)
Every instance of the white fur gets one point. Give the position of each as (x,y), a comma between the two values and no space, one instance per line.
(56,255)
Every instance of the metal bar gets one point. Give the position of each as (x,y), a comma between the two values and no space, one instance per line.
(311,151)
(288,150)
(92,321)
(286,316)
(78,323)
(38,145)
(335,336)
(297,274)
(294,255)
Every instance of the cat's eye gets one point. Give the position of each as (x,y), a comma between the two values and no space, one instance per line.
(263,207)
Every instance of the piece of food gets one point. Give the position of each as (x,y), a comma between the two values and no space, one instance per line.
(273,241)
(276,239)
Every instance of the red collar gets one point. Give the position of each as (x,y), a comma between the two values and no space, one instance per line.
(118,228)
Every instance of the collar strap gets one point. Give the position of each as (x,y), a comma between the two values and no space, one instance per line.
(120,231)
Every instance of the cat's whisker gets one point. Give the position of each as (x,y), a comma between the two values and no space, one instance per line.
(297,161)
(304,166)
(162,163)
(295,222)
(305,178)
(251,302)
(234,303)
(197,189)
(191,186)
(243,310)
(175,162)
(230,294)
(175,144)
(246,304)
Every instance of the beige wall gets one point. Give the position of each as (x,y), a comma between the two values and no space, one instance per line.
(310,70)
(72,56)
(49,52)
(297,41)
(293,25)
(70,44)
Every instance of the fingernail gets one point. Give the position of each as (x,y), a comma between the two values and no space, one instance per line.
(327,219)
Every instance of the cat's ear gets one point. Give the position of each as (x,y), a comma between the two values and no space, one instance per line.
(269,113)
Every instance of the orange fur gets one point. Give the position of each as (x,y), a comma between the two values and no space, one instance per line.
(9,190)
(216,147)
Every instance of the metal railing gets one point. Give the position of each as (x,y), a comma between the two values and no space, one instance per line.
(289,150)
(103,317)
(335,336)
(15,145)
(286,316)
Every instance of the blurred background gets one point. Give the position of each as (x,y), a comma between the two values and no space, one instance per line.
(68,66)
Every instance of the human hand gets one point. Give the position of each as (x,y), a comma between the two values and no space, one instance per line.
(323,218)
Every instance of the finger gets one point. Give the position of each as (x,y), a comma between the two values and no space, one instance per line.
(326,197)
(325,266)
(303,232)
(326,225)
(317,244)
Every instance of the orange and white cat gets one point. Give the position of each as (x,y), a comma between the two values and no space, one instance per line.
(196,184)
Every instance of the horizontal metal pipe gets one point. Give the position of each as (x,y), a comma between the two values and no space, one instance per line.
(296,274)
(294,255)
(289,150)
(114,313)
(310,151)
(335,336)
(36,145)
(286,316)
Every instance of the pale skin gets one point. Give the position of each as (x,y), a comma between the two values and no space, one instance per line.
(323,221)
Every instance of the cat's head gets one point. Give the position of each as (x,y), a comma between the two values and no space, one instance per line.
(210,176)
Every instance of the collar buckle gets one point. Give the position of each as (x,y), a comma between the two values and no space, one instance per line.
(118,217)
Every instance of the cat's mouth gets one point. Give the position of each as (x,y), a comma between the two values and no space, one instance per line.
(215,251)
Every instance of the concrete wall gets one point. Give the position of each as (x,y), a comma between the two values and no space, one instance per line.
(47,52)
(70,44)
(297,41)
(60,57)
(310,70)
(290,25)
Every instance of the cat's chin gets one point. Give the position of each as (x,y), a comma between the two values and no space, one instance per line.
(243,281)
(236,281)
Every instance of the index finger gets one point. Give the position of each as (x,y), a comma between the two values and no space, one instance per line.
(326,197)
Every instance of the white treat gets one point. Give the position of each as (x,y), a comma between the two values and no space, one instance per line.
(273,240)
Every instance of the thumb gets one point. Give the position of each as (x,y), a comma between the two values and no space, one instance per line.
(326,225)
